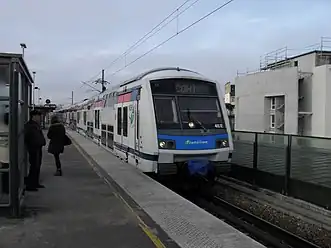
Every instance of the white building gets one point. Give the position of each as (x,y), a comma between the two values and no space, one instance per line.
(288,95)
(229,96)
(229,99)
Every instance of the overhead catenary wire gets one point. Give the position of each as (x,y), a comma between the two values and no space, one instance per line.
(149,35)
(144,36)
(173,36)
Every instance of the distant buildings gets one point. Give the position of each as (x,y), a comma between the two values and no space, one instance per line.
(289,95)
(229,99)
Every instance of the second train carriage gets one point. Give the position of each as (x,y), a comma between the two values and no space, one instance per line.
(164,121)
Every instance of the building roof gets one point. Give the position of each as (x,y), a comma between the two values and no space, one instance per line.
(294,57)
(20,58)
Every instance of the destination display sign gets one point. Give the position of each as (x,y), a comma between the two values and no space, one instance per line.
(183,87)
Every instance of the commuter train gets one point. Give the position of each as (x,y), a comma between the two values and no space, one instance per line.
(166,121)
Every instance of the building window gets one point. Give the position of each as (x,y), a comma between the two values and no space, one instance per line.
(272,121)
(78,117)
(273,102)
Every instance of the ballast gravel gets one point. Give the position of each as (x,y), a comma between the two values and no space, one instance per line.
(294,224)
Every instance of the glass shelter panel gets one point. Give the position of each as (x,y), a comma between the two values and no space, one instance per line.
(15,99)
(21,119)
(4,135)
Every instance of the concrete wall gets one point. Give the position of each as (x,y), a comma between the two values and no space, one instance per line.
(318,101)
(327,69)
(306,63)
(251,91)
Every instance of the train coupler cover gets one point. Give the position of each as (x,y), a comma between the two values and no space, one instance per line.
(198,166)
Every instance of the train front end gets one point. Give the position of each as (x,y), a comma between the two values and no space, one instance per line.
(192,125)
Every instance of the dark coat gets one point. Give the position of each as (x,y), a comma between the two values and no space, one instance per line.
(33,136)
(56,134)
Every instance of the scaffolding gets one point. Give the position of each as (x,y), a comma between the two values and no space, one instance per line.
(275,59)
(282,57)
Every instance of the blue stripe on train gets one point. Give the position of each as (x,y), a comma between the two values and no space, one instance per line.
(194,142)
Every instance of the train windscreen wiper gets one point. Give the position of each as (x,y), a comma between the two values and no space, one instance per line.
(192,120)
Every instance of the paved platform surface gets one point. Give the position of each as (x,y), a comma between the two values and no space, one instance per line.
(185,223)
(75,210)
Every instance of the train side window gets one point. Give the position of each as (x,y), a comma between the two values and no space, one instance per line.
(110,128)
(84,117)
(119,121)
(125,121)
(137,119)
(97,119)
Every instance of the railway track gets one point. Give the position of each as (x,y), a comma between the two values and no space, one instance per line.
(259,229)
(263,231)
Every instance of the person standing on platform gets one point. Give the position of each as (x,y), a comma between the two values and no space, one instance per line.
(34,141)
(58,139)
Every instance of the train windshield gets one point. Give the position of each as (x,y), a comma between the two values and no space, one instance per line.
(166,111)
(203,112)
(186,104)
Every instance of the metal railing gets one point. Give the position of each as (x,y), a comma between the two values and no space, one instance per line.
(294,165)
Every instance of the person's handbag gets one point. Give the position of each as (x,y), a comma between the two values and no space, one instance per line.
(67,140)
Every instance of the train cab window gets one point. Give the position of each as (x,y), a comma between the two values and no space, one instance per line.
(125,121)
(166,111)
(204,110)
(119,121)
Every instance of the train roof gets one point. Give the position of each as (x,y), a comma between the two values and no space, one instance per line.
(162,71)
(156,70)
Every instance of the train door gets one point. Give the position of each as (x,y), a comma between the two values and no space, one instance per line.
(136,133)
(119,127)
(121,120)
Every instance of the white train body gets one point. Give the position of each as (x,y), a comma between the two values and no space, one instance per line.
(164,121)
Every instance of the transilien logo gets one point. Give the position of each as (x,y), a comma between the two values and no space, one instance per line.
(196,142)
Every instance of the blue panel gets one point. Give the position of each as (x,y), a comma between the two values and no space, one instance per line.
(198,166)
(134,95)
(194,142)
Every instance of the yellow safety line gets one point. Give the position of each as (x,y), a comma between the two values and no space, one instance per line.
(156,241)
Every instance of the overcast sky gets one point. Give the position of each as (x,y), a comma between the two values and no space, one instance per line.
(69,41)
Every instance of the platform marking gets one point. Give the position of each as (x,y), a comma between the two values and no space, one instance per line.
(146,229)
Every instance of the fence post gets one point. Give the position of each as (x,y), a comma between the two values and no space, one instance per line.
(288,164)
(255,152)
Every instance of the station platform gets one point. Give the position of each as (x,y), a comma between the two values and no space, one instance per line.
(101,201)
(77,210)
(185,223)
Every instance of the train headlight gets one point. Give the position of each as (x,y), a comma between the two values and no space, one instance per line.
(162,144)
(191,124)
(222,143)
(167,144)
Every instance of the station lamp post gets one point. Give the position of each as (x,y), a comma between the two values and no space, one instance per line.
(23,46)
(34,79)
